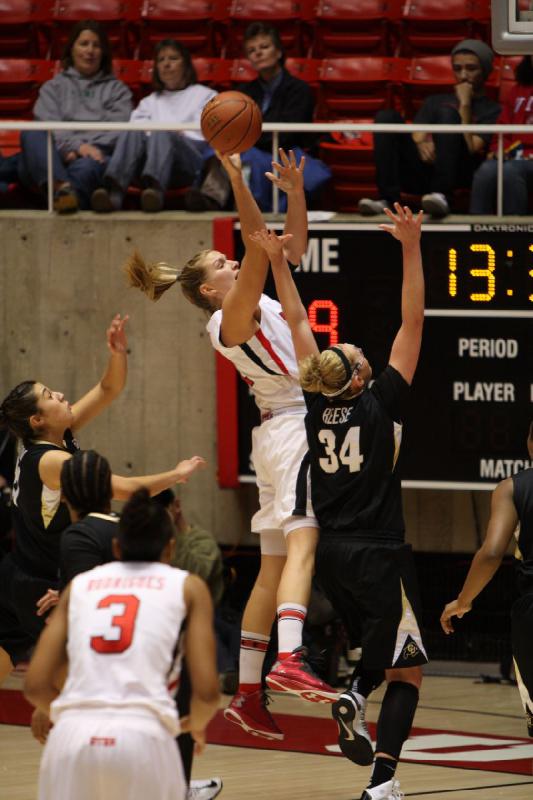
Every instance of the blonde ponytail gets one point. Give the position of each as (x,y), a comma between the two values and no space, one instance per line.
(155,279)
(152,279)
(324,373)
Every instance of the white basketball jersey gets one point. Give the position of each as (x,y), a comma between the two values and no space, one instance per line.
(124,624)
(267,361)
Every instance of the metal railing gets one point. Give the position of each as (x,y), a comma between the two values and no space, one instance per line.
(275,128)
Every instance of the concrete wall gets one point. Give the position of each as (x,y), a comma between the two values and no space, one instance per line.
(60,285)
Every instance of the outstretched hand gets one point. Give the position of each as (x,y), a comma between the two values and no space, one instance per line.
(231,163)
(186,468)
(290,175)
(116,334)
(405,226)
(271,243)
(453,609)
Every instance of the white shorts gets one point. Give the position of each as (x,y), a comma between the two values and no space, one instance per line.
(89,757)
(278,447)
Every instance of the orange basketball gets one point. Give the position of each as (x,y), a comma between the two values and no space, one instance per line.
(231,122)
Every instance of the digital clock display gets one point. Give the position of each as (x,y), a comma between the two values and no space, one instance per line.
(472,393)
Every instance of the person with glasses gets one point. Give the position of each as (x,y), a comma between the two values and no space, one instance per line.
(363,564)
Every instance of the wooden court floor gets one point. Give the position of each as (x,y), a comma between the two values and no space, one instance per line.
(469,743)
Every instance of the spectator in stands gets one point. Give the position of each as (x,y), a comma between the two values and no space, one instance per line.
(281,98)
(435,165)
(86,91)
(162,158)
(518,153)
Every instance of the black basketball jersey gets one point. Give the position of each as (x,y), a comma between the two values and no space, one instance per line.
(39,516)
(353,449)
(85,544)
(523,500)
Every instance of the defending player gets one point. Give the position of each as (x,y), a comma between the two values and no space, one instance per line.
(44,422)
(118,628)
(247,327)
(362,562)
(511,514)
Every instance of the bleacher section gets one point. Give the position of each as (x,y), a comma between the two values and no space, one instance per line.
(359,56)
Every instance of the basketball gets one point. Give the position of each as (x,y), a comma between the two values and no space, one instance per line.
(231,122)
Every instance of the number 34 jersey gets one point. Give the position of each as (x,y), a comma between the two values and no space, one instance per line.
(124,624)
(353,449)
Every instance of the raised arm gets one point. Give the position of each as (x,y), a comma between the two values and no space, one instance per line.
(293,308)
(113,380)
(289,177)
(200,654)
(46,671)
(502,523)
(240,304)
(123,486)
(406,346)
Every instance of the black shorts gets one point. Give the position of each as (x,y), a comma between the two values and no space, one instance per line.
(374,589)
(20,626)
(522,643)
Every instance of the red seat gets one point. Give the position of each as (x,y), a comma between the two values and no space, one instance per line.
(23,27)
(192,22)
(307,69)
(345,27)
(350,157)
(242,71)
(20,79)
(119,18)
(129,70)
(9,143)
(357,87)
(435,26)
(215,72)
(285,15)
(508,66)
(434,75)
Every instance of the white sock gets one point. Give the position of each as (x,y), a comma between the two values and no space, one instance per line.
(291,618)
(251,657)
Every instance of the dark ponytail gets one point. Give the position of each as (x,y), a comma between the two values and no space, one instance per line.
(16,410)
(145,528)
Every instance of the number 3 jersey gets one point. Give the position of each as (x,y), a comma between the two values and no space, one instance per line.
(124,624)
(353,450)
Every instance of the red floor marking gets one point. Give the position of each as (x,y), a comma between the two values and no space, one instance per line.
(452,748)
(425,745)
(14,709)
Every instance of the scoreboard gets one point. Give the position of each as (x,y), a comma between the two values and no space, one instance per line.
(472,393)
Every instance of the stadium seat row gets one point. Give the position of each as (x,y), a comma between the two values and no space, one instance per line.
(350,87)
(318,28)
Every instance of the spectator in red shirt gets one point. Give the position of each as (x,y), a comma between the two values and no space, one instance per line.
(518,153)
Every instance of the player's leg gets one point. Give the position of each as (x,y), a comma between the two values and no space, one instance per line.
(248,707)
(281,447)
(521,627)
(292,672)
(393,636)
(394,725)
